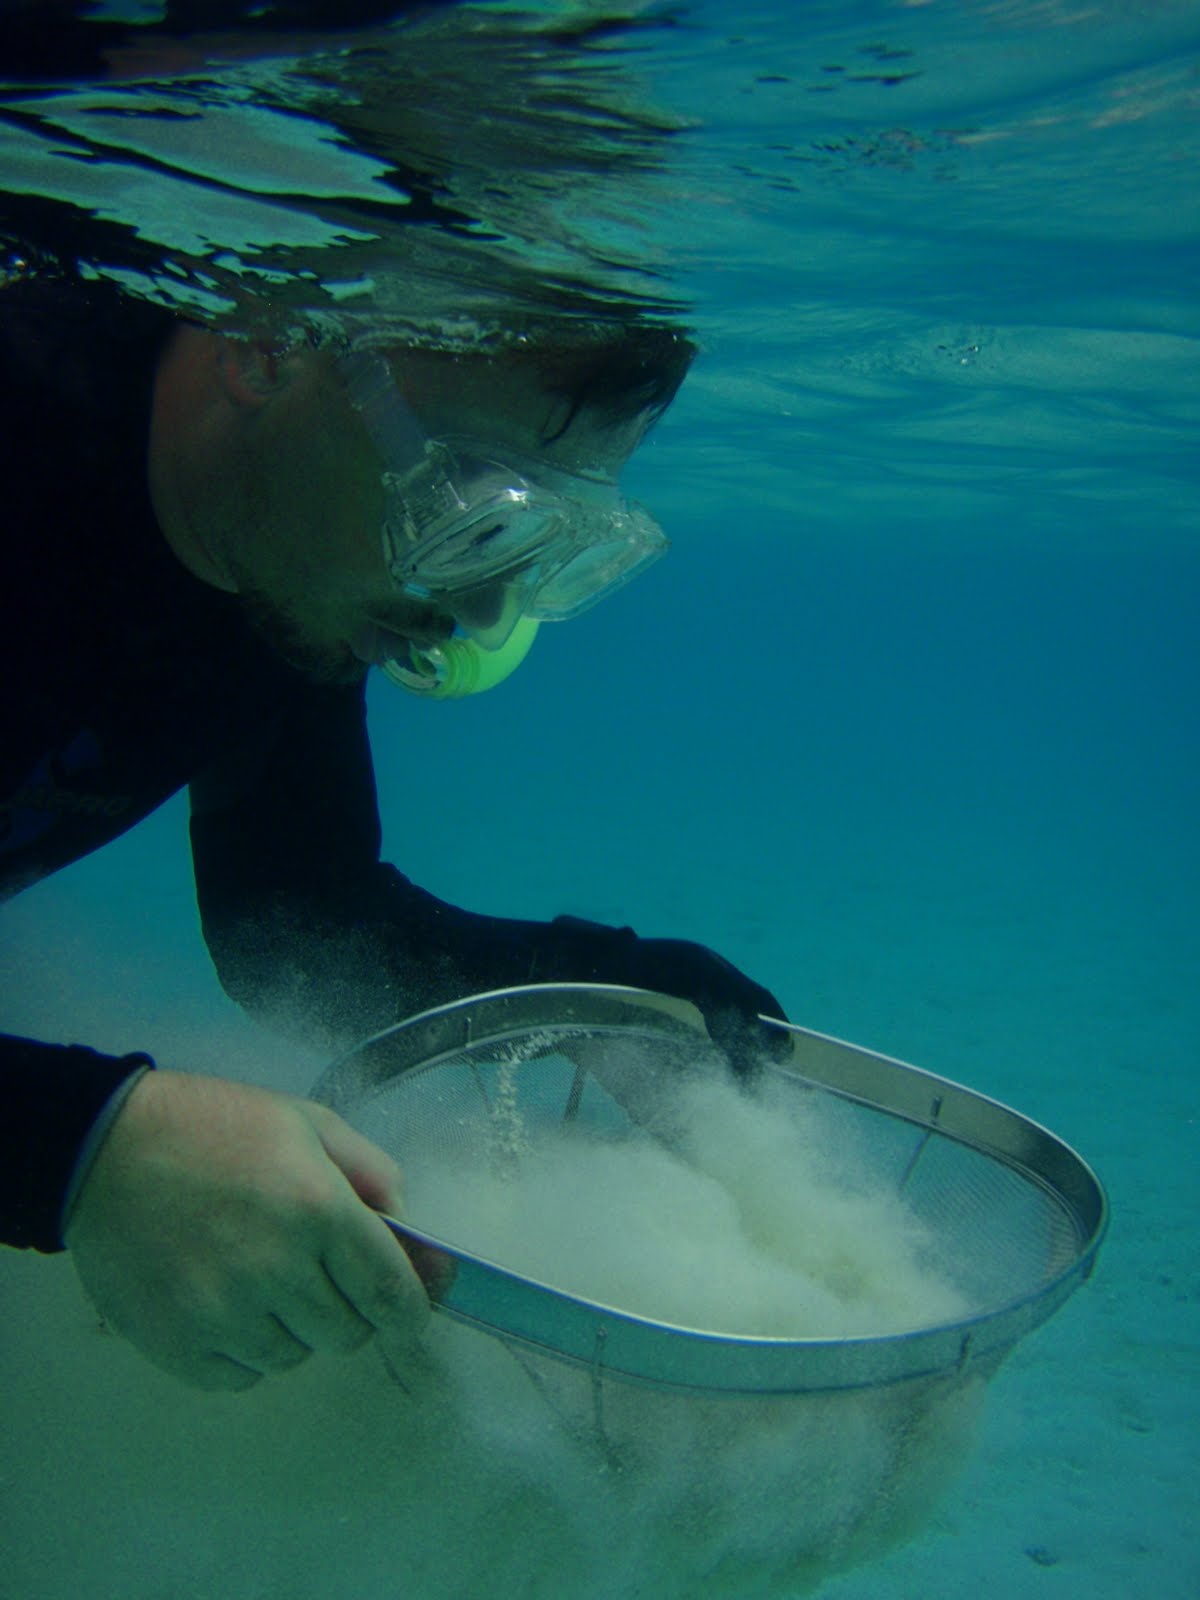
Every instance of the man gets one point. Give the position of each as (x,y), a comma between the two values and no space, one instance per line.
(207,542)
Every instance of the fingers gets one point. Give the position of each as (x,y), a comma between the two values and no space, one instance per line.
(217,1374)
(731,1004)
(746,1045)
(234,1349)
(213,1373)
(367,1267)
(223,1231)
(696,973)
(370,1171)
(228,1356)
(371,1271)
(351,1283)
(319,1315)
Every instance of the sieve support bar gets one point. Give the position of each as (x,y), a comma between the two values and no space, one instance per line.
(923,1098)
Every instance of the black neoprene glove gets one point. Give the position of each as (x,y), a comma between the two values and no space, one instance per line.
(728,1000)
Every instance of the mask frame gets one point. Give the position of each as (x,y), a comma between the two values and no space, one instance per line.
(485,540)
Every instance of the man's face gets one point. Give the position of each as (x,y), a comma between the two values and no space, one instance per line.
(307,557)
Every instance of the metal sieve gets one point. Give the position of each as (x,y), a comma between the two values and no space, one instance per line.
(1017,1215)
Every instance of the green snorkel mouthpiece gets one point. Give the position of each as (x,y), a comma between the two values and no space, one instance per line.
(461,666)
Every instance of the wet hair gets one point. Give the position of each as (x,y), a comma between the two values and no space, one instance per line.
(625,372)
(615,370)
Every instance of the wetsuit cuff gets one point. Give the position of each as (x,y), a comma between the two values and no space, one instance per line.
(50,1098)
(90,1148)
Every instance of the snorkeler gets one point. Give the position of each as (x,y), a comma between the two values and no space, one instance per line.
(208,541)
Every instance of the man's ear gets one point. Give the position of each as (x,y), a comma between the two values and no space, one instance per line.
(252,371)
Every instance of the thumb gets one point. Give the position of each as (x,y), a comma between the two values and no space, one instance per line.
(379,1183)
(372,1174)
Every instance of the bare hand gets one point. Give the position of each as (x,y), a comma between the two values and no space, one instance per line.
(228,1232)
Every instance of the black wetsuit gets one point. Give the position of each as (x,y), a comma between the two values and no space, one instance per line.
(125,678)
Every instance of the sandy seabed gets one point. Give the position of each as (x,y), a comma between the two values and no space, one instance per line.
(116,1484)
(335,1483)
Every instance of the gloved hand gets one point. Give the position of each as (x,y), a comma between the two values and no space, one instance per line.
(228,1232)
(728,1000)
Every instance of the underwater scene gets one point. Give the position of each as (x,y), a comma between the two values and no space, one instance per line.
(904,724)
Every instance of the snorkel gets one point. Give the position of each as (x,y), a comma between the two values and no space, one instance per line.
(460,666)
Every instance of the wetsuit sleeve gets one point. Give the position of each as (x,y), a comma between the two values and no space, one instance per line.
(311,932)
(53,1096)
(306,927)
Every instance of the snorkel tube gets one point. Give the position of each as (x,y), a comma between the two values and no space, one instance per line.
(460,666)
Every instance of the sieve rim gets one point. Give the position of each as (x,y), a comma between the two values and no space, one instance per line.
(663,1355)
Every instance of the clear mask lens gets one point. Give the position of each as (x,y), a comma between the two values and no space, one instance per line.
(448,528)
(487,542)
(598,568)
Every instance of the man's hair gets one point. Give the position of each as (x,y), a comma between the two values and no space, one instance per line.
(624,372)
(615,369)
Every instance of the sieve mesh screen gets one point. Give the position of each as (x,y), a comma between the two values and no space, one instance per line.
(871,1223)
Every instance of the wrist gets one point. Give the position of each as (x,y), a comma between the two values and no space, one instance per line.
(594,952)
(97,1134)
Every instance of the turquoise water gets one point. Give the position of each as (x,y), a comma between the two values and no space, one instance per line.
(906,726)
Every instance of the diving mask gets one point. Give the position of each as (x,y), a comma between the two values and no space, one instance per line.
(483,540)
